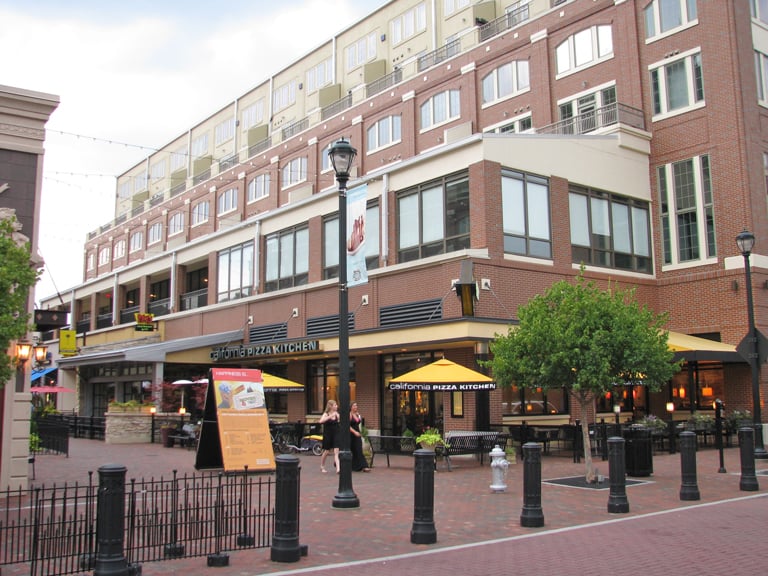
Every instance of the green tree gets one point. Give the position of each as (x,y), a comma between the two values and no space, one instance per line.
(584,340)
(17,276)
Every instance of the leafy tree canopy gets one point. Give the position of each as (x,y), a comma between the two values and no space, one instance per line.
(17,276)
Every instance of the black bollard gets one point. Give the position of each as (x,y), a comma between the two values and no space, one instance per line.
(617,499)
(603,440)
(578,442)
(285,542)
(423,528)
(689,489)
(719,433)
(110,523)
(532,515)
(748,482)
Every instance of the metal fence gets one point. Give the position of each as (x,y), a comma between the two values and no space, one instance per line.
(54,530)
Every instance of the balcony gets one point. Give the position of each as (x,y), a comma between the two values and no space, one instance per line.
(599,118)
(196,299)
(202,177)
(381,84)
(502,23)
(127,314)
(83,326)
(336,107)
(229,162)
(160,307)
(436,56)
(295,127)
(260,146)
(104,320)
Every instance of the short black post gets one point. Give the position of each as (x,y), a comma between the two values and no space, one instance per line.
(748,482)
(173,549)
(689,489)
(152,428)
(218,558)
(603,440)
(423,528)
(532,515)
(285,542)
(578,443)
(719,433)
(110,522)
(617,498)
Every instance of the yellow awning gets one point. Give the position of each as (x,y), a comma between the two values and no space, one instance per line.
(693,348)
(442,375)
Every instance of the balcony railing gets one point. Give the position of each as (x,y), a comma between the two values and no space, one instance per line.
(598,118)
(202,177)
(179,188)
(336,107)
(127,314)
(295,127)
(157,199)
(259,147)
(381,84)
(83,326)
(160,307)
(228,162)
(196,299)
(502,23)
(104,320)
(436,56)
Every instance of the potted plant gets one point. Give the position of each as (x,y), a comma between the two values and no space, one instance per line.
(656,425)
(511,452)
(738,418)
(430,438)
(701,421)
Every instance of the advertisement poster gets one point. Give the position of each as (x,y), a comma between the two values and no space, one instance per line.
(356,207)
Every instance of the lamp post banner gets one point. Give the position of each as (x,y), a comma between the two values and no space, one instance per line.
(355,241)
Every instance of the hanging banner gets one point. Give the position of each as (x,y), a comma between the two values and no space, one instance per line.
(67,342)
(356,207)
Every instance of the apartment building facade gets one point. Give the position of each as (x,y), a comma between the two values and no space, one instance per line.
(513,140)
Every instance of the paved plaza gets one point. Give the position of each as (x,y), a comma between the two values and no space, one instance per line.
(478,531)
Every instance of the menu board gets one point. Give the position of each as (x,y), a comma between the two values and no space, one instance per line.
(236,415)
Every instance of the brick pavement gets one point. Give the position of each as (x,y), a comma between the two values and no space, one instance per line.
(473,523)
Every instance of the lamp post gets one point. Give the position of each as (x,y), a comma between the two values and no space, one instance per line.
(746,241)
(342,154)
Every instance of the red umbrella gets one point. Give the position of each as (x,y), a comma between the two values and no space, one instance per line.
(49,389)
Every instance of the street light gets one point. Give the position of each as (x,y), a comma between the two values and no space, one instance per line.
(746,241)
(342,154)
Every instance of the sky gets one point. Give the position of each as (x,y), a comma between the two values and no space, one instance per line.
(133,75)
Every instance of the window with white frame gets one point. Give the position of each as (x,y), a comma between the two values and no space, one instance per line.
(433,218)
(507,80)
(759,10)
(525,214)
(199,146)
(677,86)
(140,181)
(258,187)
(384,132)
(409,23)
(452,6)
(609,230)
(287,259)
(361,51)
(588,111)
(137,241)
(440,108)
(514,126)
(761,72)
(124,189)
(157,171)
(91,262)
(585,48)
(155,233)
(372,235)
(104,256)
(664,16)
(200,212)
(227,201)
(235,279)
(253,114)
(321,74)
(687,211)
(294,172)
(176,224)
(119,250)
(331,247)
(224,131)
(178,159)
(284,96)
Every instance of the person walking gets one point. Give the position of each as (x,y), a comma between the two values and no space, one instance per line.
(359,463)
(330,421)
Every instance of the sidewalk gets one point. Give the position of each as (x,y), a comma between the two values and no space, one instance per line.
(468,513)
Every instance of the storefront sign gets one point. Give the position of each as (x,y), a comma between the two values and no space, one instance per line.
(144,322)
(427,387)
(256,350)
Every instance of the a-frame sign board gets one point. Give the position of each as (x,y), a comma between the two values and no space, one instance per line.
(235,431)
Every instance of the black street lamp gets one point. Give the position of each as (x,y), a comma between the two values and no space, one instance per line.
(746,241)
(342,154)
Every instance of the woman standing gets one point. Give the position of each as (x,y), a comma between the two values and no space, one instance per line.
(330,422)
(356,442)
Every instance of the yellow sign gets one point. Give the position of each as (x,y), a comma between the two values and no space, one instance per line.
(67,342)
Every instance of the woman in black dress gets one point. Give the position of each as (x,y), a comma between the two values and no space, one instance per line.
(330,422)
(356,442)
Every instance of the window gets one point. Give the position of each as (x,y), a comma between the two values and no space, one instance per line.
(687,212)
(200,212)
(258,187)
(760,10)
(433,218)
(409,23)
(176,224)
(506,80)
(284,96)
(155,233)
(662,16)
(588,112)
(322,74)
(372,235)
(124,190)
(104,256)
(235,272)
(224,131)
(287,259)
(294,172)
(227,201)
(325,159)
(157,171)
(383,133)
(178,159)
(525,214)
(137,241)
(140,181)
(452,6)
(331,247)
(440,108)
(91,261)
(253,114)
(199,146)
(362,51)
(119,250)
(584,48)
(514,126)
(677,86)
(761,73)
(609,230)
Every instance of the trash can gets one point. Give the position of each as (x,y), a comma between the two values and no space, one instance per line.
(638,451)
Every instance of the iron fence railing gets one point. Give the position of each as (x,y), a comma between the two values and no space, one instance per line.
(598,118)
(436,56)
(505,22)
(381,84)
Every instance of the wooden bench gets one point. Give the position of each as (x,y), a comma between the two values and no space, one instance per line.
(391,445)
(462,443)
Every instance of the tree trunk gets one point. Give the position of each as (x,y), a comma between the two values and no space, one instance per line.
(591,473)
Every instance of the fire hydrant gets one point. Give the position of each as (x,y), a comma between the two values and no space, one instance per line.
(499,467)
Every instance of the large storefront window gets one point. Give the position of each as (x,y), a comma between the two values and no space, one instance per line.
(519,401)
(411,410)
(324,384)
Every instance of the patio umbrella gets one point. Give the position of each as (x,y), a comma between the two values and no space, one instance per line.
(442,375)
(49,389)
(183,382)
(271,383)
